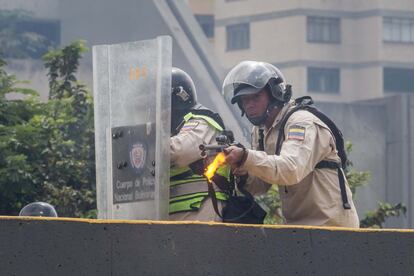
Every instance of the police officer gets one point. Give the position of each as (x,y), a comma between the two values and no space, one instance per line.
(38,209)
(295,150)
(191,125)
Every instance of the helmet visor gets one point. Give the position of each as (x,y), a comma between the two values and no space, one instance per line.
(248,90)
(248,73)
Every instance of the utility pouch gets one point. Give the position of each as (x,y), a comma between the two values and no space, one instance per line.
(239,209)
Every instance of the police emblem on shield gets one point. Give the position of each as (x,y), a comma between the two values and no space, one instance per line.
(137,156)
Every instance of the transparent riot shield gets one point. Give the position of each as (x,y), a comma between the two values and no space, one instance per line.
(132,94)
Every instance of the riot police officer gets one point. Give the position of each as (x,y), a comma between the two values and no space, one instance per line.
(191,125)
(293,146)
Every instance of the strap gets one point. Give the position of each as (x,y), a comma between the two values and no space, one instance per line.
(212,194)
(248,195)
(334,165)
(261,139)
(325,164)
(305,103)
(339,140)
(301,103)
(280,137)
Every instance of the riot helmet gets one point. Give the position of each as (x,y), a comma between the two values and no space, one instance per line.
(183,97)
(250,77)
(38,209)
(183,92)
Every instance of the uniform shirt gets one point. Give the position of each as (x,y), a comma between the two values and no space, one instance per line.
(184,146)
(184,150)
(309,196)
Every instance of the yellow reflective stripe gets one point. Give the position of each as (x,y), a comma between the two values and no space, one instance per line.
(190,115)
(188,197)
(191,202)
(224,171)
(188,205)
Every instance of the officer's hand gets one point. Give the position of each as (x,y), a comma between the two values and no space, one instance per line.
(234,155)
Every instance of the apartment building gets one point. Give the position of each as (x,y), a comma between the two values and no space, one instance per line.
(336,50)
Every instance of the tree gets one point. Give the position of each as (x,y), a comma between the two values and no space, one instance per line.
(47,149)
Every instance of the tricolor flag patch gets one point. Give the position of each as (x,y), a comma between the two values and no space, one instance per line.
(296,133)
(189,126)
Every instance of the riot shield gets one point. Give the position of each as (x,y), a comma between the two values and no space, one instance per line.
(132,94)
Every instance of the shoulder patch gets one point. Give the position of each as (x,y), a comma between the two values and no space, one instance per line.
(296,133)
(189,126)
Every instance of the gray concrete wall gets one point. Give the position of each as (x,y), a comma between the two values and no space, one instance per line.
(98,247)
(381,131)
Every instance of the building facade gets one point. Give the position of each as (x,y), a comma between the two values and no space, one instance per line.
(333,50)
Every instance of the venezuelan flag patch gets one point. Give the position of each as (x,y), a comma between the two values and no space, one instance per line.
(189,126)
(296,133)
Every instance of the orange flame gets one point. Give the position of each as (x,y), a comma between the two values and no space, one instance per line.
(212,168)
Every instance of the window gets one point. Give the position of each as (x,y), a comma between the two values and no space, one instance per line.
(238,36)
(206,23)
(398,29)
(398,80)
(323,29)
(323,80)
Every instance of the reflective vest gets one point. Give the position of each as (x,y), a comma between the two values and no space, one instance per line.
(187,189)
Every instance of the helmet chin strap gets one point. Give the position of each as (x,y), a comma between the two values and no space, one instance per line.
(259,120)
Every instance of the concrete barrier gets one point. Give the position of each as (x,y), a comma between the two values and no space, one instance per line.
(35,246)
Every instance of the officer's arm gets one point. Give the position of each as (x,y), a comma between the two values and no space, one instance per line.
(305,145)
(254,185)
(184,147)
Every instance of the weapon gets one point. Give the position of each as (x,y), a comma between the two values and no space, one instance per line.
(224,140)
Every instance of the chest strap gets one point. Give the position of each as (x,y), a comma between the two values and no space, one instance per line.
(336,165)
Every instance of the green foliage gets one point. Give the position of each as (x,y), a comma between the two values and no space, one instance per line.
(355,178)
(47,149)
(274,207)
(18,42)
(376,219)
(62,65)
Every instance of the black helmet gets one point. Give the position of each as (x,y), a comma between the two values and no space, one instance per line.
(183,92)
(38,209)
(250,77)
